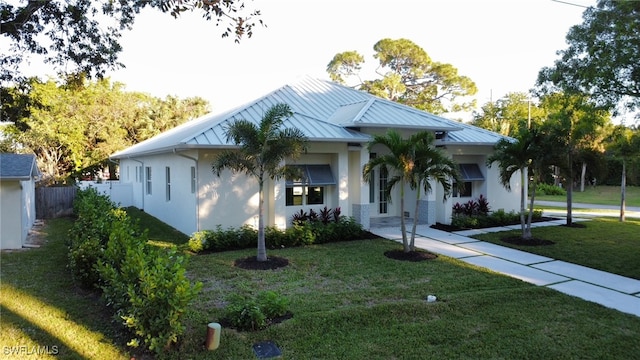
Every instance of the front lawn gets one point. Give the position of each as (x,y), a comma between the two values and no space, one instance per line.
(605,244)
(348,301)
(603,195)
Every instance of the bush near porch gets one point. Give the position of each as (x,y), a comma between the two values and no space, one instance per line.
(307,229)
(476,214)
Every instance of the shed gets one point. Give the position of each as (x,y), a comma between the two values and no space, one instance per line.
(18,175)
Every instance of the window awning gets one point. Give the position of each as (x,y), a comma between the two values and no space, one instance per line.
(314,175)
(471,172)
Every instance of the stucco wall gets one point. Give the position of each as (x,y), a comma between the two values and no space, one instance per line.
(11,215)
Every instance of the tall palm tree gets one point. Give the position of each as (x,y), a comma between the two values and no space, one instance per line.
(525,153)
(431,164)
(409,162)
(263,149)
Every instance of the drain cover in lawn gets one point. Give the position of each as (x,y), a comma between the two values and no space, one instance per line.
(266,350)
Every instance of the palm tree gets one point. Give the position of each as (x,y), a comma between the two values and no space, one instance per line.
(410,162)
(525,153)
(263,149)
(431,164)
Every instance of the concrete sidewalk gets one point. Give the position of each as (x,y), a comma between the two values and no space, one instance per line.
(610,290)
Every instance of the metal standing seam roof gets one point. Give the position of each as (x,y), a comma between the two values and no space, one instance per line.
(323,110)
(18,166)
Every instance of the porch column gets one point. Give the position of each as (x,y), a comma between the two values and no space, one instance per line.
(427,205)
(360,206)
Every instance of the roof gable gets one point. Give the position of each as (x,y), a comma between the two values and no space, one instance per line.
(18,166)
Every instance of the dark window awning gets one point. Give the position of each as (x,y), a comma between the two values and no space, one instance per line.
(471,172)
(314,175)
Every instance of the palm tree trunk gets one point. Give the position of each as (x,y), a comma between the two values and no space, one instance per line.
(262,248)
(527,233)
(412,246)
(523,201)
(403,225)
(623,190)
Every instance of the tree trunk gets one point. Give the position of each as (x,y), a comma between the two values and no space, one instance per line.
(403,225)
(523,201)
(412,245)
(527,234)
(262,248)
(569,190)
(623,190)
(583,175)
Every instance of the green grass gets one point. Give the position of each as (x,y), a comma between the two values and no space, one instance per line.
(348,302)
(603,195)
(160,233)
(605,244)
(41,307)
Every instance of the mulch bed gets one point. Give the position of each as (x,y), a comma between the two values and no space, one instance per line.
(410,256)
(251,263)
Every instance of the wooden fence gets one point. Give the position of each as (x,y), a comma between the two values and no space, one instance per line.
(54,202)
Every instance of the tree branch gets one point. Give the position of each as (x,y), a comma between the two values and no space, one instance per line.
(14,26)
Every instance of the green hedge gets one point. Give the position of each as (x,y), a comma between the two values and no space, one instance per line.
(303,233)
(145,286)
(496,218)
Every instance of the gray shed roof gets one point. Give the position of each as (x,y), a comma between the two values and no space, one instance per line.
(323,110)
(18,166)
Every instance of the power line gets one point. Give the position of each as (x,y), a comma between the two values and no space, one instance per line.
(572,4)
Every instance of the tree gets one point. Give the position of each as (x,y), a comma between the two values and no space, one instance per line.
(625,145)
(603,57)
(507,116)
(431,164)
(572,120)
(262,152)
(408,76)
(82,35)
(412,161)
(77,125)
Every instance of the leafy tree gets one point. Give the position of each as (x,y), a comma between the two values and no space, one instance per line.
(603,57)
(527,154)
(412,161)
(263,149)
(625,144)
(77,125)
(408,76)
(573,121)
(82,35)
(507,116)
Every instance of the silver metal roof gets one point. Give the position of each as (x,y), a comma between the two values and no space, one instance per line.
(323,110)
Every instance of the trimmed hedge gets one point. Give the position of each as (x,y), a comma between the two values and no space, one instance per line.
(305,232)
(145,286)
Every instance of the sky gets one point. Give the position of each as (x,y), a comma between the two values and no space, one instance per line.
(500,44)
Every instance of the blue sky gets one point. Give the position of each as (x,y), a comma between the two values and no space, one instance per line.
(499,44)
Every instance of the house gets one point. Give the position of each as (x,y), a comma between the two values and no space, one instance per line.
(172,178)
(18,174)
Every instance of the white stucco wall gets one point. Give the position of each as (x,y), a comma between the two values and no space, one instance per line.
(17,212)
(11,215)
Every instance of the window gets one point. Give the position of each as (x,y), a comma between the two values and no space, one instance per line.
(383,205)
(372,182)
(309,189)
(465,192)
(469,174)
(193,179)
(148,170)
(167,171)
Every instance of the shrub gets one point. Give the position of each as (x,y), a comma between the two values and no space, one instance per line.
(300,233)
(255,313)
(145,287)
(548,189)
